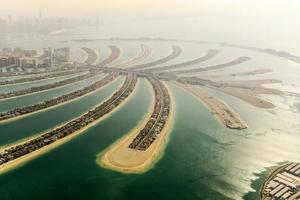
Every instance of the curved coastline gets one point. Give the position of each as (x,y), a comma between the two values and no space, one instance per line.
(28,157)
(55,106)
(115,54)
(39,89)
(176,51)
(219,109)
(271,176)
(145,160)
(37,78)
(91,55)
(3,147)
(207,56)
(145,52)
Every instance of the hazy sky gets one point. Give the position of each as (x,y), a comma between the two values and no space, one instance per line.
(81,8)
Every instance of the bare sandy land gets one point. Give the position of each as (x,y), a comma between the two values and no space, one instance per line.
(57,105)
(120,158)
(251,84)
(248,96)
(219,109)
(248,73)
(26,158)
(249,90)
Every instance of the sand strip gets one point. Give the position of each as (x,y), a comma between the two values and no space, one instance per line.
(115,54)
(145,52)
(176,51)
(120,158)
(55,106)
(36,92)
(37,79)
(207,56)
(221,111)
(92,56)
(24,159)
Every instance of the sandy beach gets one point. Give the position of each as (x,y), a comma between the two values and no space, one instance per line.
(120,158)
(248,73)
(248,96)
(24,159)
(221,111)
(249,90)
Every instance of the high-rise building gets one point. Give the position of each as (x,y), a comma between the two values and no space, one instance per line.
(9,62)
(61,55)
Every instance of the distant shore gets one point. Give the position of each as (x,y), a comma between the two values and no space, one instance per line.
(120,158)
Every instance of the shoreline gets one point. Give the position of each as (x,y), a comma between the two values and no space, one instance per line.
(115,53)
(14,97)
(3,147)
(220,110)
(144,160)
(33,73)
(43,79)
(92,55)
(248,96)
(28,157)
(140,57)
(270,176)
(55,106)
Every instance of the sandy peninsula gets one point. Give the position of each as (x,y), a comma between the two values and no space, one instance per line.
(120,158)
(115,54)
(249,90)
(28,157)
(145,52)
(92,56)
(225,115)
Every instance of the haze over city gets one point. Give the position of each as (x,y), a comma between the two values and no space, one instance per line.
(78,8)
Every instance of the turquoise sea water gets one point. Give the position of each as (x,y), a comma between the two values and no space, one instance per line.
(36,123)
(184,172)
(15,87)
(6,105)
